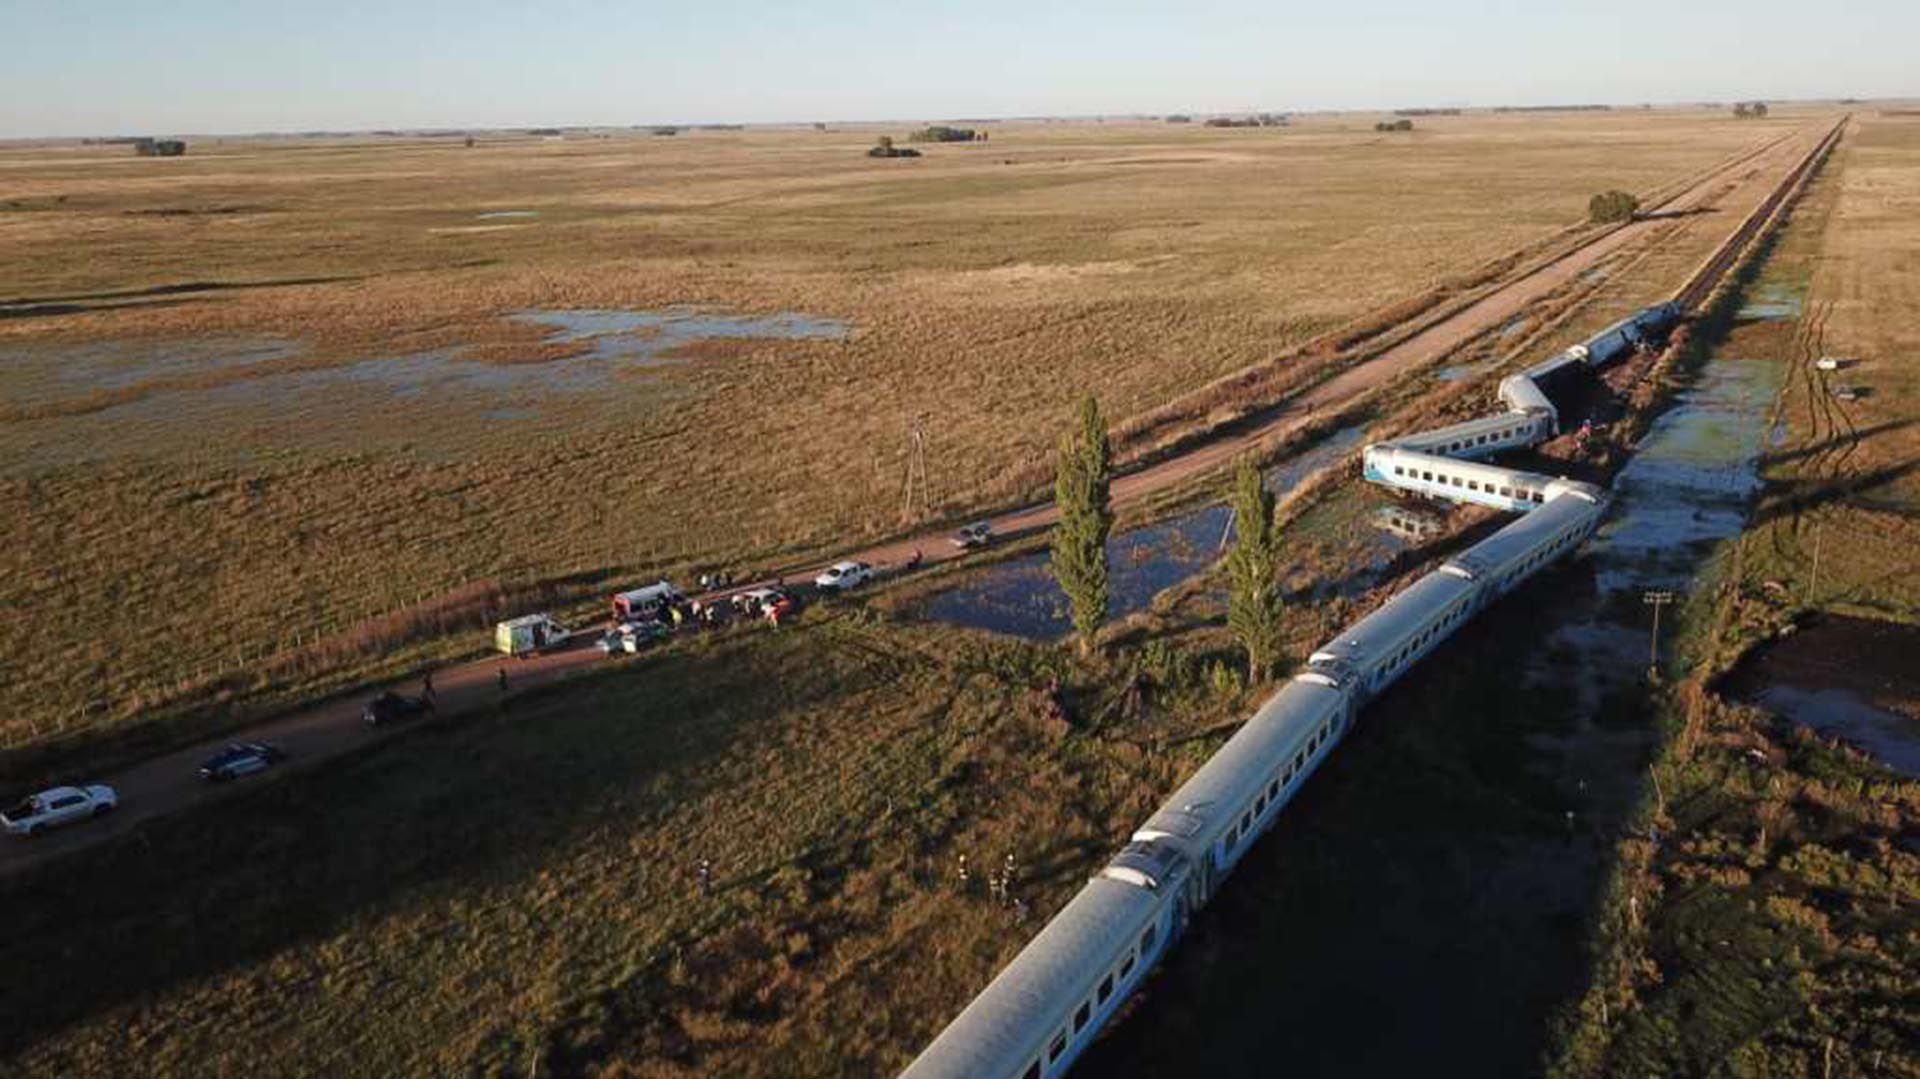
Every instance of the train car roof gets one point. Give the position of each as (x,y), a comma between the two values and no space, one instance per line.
(1008,1024)
(1235,773)
(1440,436)
(1369,638)
(1522,536)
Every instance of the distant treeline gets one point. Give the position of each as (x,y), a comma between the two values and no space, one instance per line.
(1265,119)
(1750,109)
(1394,125)
(1553,108)
(1426,112)
(943,133)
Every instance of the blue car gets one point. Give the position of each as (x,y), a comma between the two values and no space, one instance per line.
(240,759)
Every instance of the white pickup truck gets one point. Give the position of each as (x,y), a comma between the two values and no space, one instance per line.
(60,805)
(842,576)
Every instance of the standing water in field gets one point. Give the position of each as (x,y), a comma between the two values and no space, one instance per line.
(1021,597)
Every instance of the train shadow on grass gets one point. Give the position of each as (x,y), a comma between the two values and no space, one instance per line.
(1427,897)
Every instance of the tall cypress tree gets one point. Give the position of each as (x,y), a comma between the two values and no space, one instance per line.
(1253,597)
(1086,517)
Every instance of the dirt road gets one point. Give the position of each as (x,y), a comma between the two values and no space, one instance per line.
(312,736)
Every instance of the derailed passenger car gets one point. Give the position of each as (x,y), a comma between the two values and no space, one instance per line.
(1035,1018)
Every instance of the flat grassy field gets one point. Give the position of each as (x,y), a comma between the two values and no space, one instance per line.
(278,388)
(1844,478)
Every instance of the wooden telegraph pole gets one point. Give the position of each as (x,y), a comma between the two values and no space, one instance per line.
(1656,600)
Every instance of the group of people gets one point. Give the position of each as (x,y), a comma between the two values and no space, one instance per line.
(999,884)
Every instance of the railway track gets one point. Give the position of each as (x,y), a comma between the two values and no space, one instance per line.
(1045,1007)
(165,783)
(1705,281)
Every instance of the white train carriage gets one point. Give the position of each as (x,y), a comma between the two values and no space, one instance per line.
(1500,562)
(1524,395)
(1455,480)
(1481,437)
(1036,1017)
(1215,815)
(1379,648)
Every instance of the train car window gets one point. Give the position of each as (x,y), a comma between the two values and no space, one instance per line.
(1146,939)
(1428,476)
(1058,1047)
(1246,821)
(1126,968)
(1080,1017)
(1106,990)
(1032,1072)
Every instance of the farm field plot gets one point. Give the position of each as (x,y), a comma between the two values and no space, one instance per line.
(277,389)
(1843,481)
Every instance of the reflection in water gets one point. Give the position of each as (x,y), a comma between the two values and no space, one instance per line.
(1020,596)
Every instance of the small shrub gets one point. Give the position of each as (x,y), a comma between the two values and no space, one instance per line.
(884,147)
(1611,206)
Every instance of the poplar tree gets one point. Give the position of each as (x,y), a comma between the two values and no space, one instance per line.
(1253,597)
(1086,517)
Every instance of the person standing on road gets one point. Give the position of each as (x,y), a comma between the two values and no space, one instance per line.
(426,686)
(503,680)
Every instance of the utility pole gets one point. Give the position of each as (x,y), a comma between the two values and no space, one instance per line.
(1656,600)
(917,474)
(1813,580)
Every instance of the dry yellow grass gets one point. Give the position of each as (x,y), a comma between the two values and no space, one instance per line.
(180,519)
(1845,475)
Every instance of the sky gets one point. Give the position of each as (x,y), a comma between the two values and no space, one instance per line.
(97,67)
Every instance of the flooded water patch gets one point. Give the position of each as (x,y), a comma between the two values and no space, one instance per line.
(1020,596)
(1774,302)
(39,374)
(1691,479)
(1843,714)
(1460,372)
(500,215)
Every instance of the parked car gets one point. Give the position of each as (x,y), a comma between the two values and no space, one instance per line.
(756,601)
(841,576)
(390,706)
(649,603)
(631,636)
(240,759)
(977,534)
(57,806)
